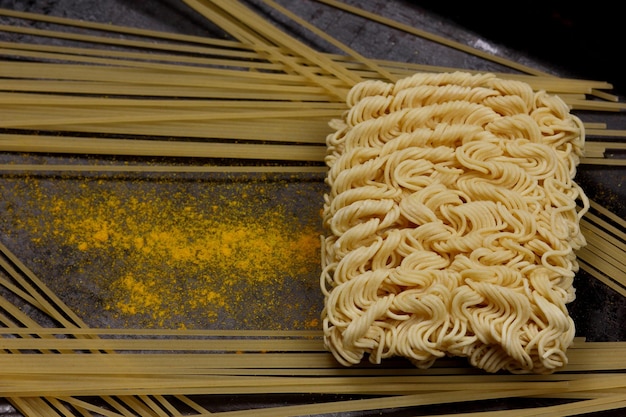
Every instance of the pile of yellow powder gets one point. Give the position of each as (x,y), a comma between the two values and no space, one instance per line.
(233,252)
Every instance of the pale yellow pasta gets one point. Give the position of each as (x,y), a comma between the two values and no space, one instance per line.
(452,223)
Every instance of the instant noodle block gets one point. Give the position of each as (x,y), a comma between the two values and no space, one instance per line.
(452,220)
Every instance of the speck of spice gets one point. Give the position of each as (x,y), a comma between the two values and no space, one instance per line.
(191,253)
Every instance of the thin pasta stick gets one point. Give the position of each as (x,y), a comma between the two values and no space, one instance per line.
(137,405)
(153,168)
(166,62)
(570,96)
(583,407)
(90,407)
(603,161)
(557,85)
(34,407)
(167,405)
(607,133)
(16,290)
(158,411)
(600,345)
(276,133)
(63,409)
(111,401)
(610,249)
(610,233)
(25,143)
(375,403)
(148,345)
(63,315)
(596,105)
(538,82)
(192,404)
(233,58)
(602,277)
(592,259)
(125,89)
(603,95)
(15,312)
(570,409)
(127,43)
(141,76)
(74,331)
(161,116)
(585,395)
(608,214)
(48,100)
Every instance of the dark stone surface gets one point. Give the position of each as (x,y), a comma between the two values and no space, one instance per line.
(578,38)
(556,37)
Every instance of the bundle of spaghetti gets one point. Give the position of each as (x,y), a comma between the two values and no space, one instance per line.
(90,99)
(298,96)
(599,152)
(48,370)
(603,256)
(23,285)
(452,224)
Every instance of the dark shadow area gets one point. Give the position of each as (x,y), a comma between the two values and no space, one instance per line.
(584,38)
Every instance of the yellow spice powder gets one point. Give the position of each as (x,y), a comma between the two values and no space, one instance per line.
(167,253)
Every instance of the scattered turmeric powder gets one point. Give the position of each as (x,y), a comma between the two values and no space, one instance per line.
(240,251)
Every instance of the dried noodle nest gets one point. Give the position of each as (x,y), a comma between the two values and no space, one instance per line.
(452,223)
